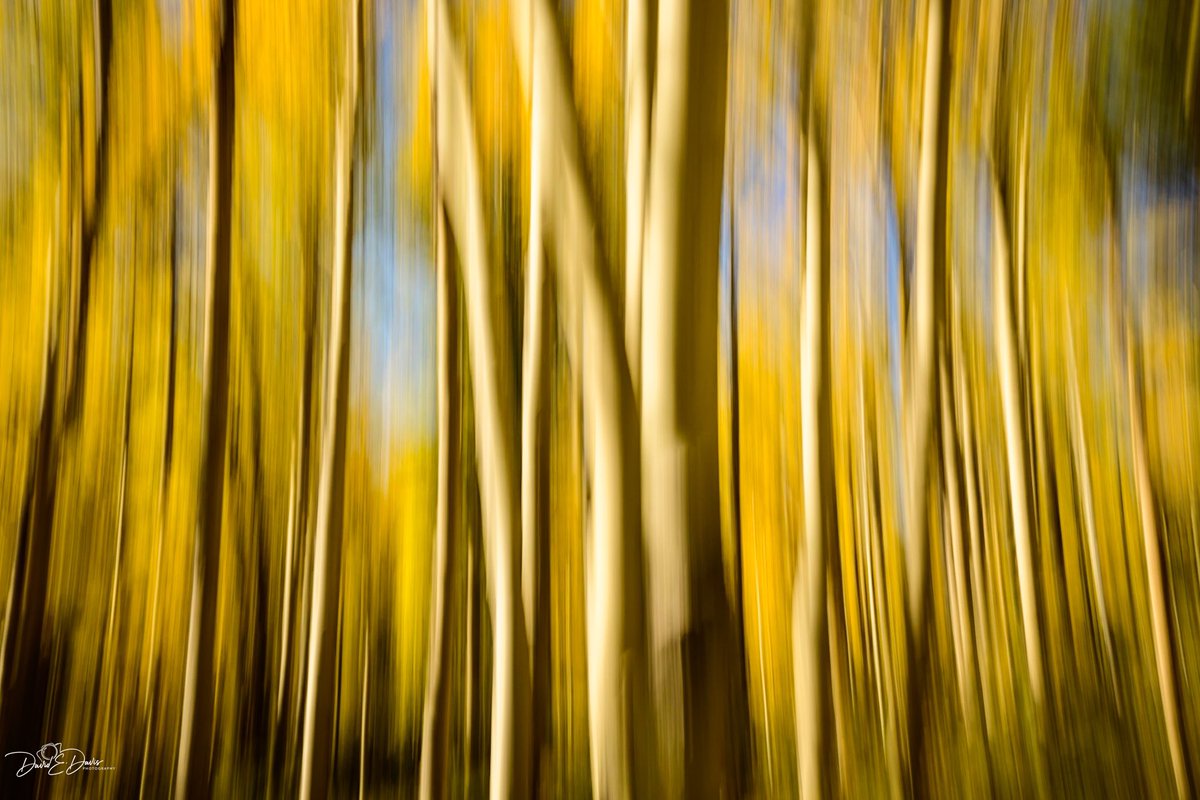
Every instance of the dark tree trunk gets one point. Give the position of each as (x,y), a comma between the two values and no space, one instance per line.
(195,746)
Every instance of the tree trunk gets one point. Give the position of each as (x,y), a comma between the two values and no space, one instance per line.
(1161,624)
(195,738)
(921,386)
(1015,435)
(460,191)
(964,645)
(1083,477)
(618,691)
(535,482)
(692,628)
(320,721)
(816,733)
(435,728)
(640,40)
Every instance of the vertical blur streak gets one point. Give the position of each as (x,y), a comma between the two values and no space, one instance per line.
(377,416)
(196,724)
(436,725)
(318,733)
(920,388)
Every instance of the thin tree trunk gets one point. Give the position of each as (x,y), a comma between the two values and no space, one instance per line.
(964,650)
(1083,473)
(921,387)
(1015,436)
(1161,623)
(436,723)
(535,482)
(95,176)
(1156,579)
(816,733)
(741,664)
(320,722)
(640,39)
(460,191)
(195,738)
(976,544)
(622,751)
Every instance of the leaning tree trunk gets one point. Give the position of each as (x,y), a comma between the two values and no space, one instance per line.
(622,751)
(1161,624)
(921,387)
(1014,434)
(319,720)
(196,726)
(460,192)
(435,729)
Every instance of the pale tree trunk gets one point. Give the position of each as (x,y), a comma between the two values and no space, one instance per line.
(460,191)
(964,650)
(1014,435)
(692,629)
(1161,626)
(319,718)
(640,39)
(622,750)
(1161,623)
(975,539)
(435,728)
(435,742)
(921,387)
(816,733)
(196,724)
(535,483)
(1083,477)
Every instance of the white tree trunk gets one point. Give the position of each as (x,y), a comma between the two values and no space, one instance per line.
(639,90)
(535,509)
(691,620)
(618,693)
(460,191)
(1014,436)
(815,732)
(1160,614)
(921,386)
